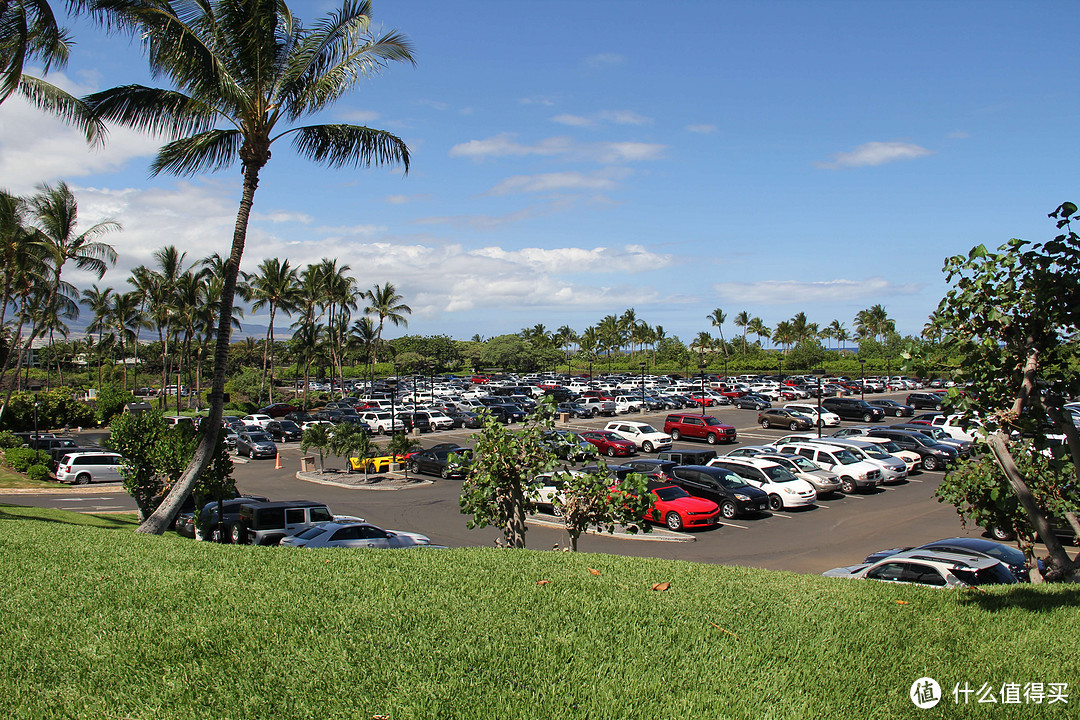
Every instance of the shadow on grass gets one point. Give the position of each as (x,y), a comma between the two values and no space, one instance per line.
(108,521)
(1024,597)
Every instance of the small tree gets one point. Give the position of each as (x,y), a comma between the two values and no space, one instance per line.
(316,436)
(592,500)
(347,441)
(135,436)
(1012,319)
(401,444)
(501,483)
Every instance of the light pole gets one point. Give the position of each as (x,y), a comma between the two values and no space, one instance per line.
(642,387)
(862,379)
(36,406)
(818,373)
(392,382)
(702,373)
(780,359)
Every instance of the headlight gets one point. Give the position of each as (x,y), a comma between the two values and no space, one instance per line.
(789,491)
(862,476)
(740,496)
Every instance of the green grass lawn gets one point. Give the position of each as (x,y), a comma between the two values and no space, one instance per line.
(101,623)
(11,479)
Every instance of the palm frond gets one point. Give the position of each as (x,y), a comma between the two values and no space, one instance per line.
(46,96)
(152,110)
(207,151)
(338,145)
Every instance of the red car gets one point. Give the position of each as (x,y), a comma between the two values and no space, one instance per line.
(609,443)
(598,394)
(678,509)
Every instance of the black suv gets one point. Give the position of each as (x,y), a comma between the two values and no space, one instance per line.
(925,401)
(935,456)
(687,457)
(853,409)
(723,487)
(265,523)
(284,430)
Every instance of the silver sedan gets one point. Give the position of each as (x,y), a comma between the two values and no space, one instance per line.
(353,535)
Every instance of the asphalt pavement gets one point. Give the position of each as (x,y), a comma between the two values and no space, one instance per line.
(841,530)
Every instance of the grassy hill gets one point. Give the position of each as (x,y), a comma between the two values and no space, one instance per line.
(101,623)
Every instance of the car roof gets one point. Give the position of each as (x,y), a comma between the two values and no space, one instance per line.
(941,556)
(263,504)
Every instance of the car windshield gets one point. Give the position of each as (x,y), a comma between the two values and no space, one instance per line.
(732,481)
(311,533)
(803,464)
(778,474)
(923,440)
(846,457)
(645,429)
(671,492)
(712,421)
(889,447)
(259,437)
(875,452)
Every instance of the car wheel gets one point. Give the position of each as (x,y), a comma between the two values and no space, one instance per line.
(938,407)
(794,425)
(776,502)
(711,438)
(847,485)
(765,424)
(82,478)
(445,472)
(899,413)
(556,510)
(414,468)
(930,463)
(675,434)
(1000,534)
(867,417)
(611,452)
(647,446)
(673,521)
(383,431)
(240,535)
(728,510)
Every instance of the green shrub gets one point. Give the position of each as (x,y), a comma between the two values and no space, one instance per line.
(40,473)
(22,458)
(8,439)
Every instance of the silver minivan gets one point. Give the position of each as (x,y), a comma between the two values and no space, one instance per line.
(84,467)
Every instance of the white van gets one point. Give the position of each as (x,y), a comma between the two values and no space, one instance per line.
(81,468)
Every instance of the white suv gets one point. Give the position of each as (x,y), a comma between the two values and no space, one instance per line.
(379,422)
(81,468)
(784,489)
(627,404)
(644,436)
(825,419)
(854,473)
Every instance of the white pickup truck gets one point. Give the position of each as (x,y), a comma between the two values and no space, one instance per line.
(596,406)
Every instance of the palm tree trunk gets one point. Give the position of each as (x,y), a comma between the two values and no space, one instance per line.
(271,389)
(163,517)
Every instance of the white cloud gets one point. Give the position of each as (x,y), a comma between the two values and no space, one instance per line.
(403,199)
(359,116)
(628,259)
(876,153)
(362,230)
(618,117)
(796,292)
(283,216)
(573,120)
(703,128)
(537,100)
(505,145)
(604,60)
(549,182)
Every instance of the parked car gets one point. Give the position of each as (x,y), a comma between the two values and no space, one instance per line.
(266,523)
(439,462)
(80,468)
(644,436)
(655,470)
(284,430)
(784,418)
(687,457)
(608,443)
(549,495)
(1012,557)
(277,410)
(934,455)
(930,567)
(925,401)
(824,418)
(699,427)
(507,414)
(255,444)
(378,464)
(854,473)
(574,410)
(784,489)
(850,408)
(678,510)
(824,481)
(204,524)
(891,407)
(727,489)
(963,447)
(568,445)
(893,469)
(354,535)
(465,419)
(752,401)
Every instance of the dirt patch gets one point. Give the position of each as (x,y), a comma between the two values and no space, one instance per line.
(357,481)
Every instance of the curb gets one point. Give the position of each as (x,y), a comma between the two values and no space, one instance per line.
(307,477)
(657,535)
(77,489)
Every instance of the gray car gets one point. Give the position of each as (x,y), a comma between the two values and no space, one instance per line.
(255,444)
(353,535)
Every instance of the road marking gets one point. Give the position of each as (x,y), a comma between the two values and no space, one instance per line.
(780,514)
(855,497)
(79,499)
(823,506)
(741,527)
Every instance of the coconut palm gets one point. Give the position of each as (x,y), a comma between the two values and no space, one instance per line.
(784,334)
(128,318)
(801,330)
(273,286)
(255,68)
(339,298)
(758,329)
(100,303)
(385,303)
(742,320)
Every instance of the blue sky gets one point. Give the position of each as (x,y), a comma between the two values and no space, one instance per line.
(574,159)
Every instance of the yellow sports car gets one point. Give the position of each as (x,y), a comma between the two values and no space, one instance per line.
(376,464)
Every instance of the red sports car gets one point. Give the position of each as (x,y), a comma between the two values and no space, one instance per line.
(677,509)
(609,443)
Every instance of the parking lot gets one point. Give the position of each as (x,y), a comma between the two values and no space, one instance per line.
(840,530)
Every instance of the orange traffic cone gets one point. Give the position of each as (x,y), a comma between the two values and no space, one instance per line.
(277,463)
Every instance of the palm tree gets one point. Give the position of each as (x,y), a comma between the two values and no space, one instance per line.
(609,335)
(339,298)
(254,67)
(758,329)
(704,341)
(101,304)
(833,331)
(801,330)
(274,286)
(627,322)
(718,317)
(784,334)
(385,302)
(742,320)
(128,318)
